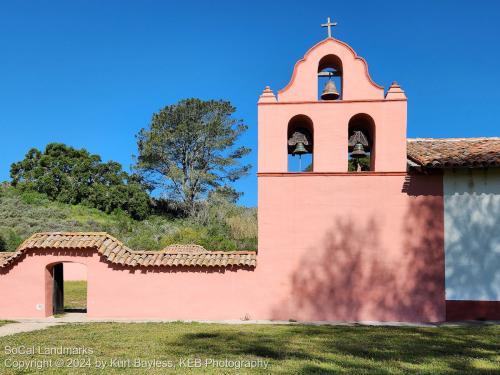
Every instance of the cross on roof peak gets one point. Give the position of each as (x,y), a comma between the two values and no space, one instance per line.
(329,25)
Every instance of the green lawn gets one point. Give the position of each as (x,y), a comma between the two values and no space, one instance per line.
(4,322)
(289,349)
(75,294)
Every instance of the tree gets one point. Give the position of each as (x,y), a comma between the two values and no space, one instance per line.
(74,176)
(364,162)
(189,150)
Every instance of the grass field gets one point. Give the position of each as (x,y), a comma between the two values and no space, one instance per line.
(75,294)
(4,322)
(288,349)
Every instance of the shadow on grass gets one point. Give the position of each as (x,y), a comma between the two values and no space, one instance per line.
(326,350)
(290,349)
(236,343)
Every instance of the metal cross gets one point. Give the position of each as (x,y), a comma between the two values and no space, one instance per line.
(329,24)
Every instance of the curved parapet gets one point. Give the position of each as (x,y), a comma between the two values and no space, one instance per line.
(357,83)
(115,252)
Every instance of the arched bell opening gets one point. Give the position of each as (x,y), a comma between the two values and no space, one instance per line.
(361,143)
(330,78)
(300,144)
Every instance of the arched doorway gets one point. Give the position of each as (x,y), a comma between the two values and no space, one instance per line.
(69,287)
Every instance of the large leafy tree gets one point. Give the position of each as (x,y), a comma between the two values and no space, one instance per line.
(75,176)
(190,150)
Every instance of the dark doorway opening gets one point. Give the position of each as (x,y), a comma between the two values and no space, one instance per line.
(67,295)
(58,289)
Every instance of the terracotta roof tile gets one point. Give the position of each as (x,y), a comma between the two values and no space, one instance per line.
(454,152)
(183,248)
(115,252)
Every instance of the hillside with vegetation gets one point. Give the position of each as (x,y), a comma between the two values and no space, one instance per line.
(217,226)
(188,154)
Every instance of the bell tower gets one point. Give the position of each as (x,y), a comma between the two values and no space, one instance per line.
(343,228)
(332,117)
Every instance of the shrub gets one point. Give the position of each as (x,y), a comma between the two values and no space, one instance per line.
(68,175)
(3,244)
(227,227)
(9,240)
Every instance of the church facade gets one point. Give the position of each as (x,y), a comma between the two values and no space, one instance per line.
(356,223)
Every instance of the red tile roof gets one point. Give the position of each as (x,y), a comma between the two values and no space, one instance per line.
(115,252)
(454,152)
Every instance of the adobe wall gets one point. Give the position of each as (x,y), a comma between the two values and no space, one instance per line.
(121,292)
(354,247)
(331,248)
(75,272)
(26,286)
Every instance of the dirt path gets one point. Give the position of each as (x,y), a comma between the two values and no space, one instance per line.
(13,328)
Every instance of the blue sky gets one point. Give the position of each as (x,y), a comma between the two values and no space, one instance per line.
(91,73)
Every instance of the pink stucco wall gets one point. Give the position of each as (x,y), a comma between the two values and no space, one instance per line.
(75,272)
(358,84)
(354,247)
(330,124)
(332,248)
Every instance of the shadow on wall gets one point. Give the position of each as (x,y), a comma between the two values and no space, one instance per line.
(473,239)
(352,277)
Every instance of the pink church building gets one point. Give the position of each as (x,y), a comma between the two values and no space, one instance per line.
(356,223)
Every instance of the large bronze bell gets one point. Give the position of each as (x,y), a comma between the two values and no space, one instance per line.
(300,149)
(330,91)
(358,151)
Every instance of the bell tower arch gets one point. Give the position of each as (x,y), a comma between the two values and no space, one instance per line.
(330,78)
(331,85)
(300,141)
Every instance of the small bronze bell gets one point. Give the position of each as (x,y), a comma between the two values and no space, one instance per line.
(358,151)
(299,149)
(330,91)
